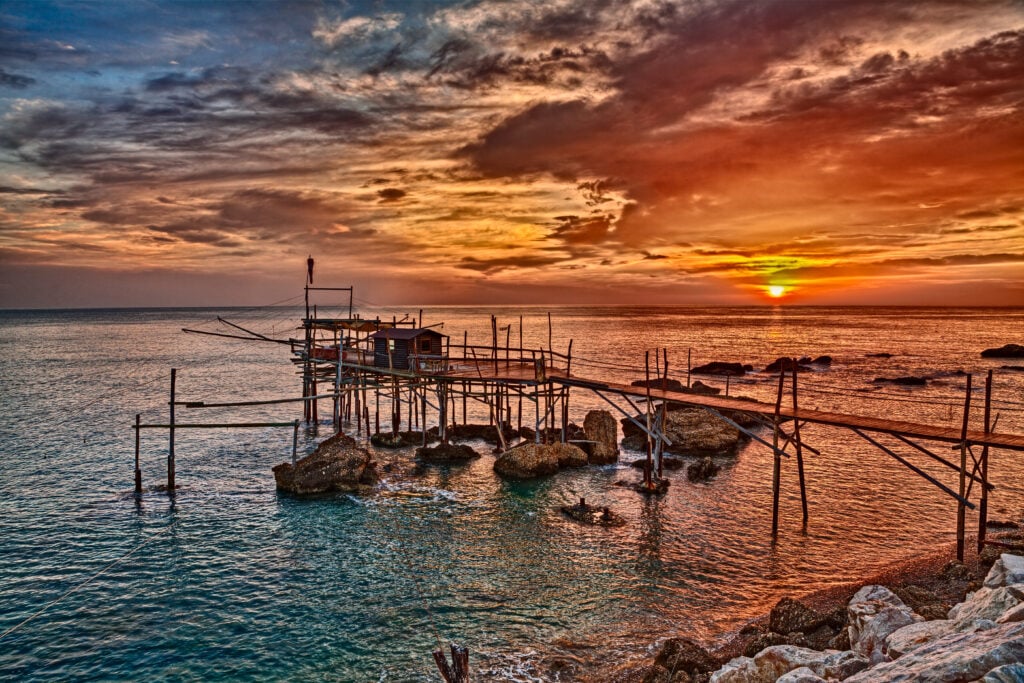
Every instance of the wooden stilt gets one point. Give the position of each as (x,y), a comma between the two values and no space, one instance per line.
(799,450)
(983,506)
(295,442)
(961,509)
(776,459)
(138,469)
(647,377)
(458,672)
(170,432)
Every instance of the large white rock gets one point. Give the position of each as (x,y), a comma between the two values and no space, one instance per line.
(1007,570)
(875,612)
(772,662)
(801,675)
(1008,673)
(842,665)
(987,603)
(736,670)
(1014,614)
(909,638)
(955,657)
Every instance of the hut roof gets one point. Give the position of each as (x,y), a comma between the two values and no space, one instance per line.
(403,333)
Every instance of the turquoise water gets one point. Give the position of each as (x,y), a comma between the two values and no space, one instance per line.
(233,581)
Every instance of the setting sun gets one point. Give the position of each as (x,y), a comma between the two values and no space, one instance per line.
(775,291)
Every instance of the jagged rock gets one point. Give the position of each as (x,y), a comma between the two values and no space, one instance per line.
(600,427)
(792,615)
(956,657)
(657,487)
(446,453)
(786,364)
(801,675)
(773,662)
(722,368)
(987,603)
(660,383)
(763,640)
(659,674)
(699,387)
(822,360)
(923,601)
(821,637)
(1012,615)
(874,613)
(337,464)
(902,381)
(667,463)
(682,654)
(910,637)
(593,515)
(692,431)
(840,641)
(956,570)
(1006,571)
(1008,673)
(702,470)
(535,460)
(1007,351)
(402,439)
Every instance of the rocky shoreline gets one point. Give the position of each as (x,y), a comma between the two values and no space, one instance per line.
(846,632)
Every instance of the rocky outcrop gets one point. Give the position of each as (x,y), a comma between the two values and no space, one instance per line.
(337,464)
(601,430)
(592,515)
(874,613)
(790,615)
(722,368)
(1007,351)
(536,460)
(692,431)
(488,433)
(659,383)
(1006,571)
(776,661)
(682,654)
(702,470)
(402,439)
(446,454)
(786,364)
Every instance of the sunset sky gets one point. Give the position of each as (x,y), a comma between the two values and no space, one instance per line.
(613,151)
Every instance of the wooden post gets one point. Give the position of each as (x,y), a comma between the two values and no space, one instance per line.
(647,376)
(983,507)
(550,333)
(494,342)
(799,450)
(776,459)
(961,509)
(138,470)
(170,444)
(458,672)
(295,442)
(688,366)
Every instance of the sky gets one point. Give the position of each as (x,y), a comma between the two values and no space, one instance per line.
(160,153)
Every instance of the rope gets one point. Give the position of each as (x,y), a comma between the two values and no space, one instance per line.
(75,589)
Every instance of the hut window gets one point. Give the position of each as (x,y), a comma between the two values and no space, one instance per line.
(425,344)
(391,344)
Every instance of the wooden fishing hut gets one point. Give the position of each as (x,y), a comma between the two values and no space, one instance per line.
(393,347)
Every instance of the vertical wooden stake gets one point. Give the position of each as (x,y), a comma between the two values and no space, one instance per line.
(688,366)
(138,470)
(961,509)
(295,441)
(647,377)
(983,507)
(776,460)
(170,445)
(799,450)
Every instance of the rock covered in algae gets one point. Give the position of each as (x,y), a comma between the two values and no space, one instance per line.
(536,460)
(593,515)
(692,431)
(337,464)
(446,453)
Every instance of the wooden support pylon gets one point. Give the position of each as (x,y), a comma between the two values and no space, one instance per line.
(776,458)
(983,507)
(961,509)
(799,449)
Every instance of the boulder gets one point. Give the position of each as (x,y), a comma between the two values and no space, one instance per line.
(699,387)
(1007,351)
(786,364)
(923,601)
(667,463)
(1012,615)
(763,640)
(660,383)
(702,470)
(910,637)
(722,368)
(682,654)
(874,613)
(986,603)
(600,428)
(446,454)
(592,515)
(337,464)
(488,433)
(792,615)
(822,360)
(771,663)
(1006,571)
(1007,673)
(692,431)
(535,460)
(955,657)
(801,675)
(402,439)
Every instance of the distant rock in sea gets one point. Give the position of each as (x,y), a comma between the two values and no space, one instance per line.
(879,355)
(1007,351)
(722,368)
(902,381)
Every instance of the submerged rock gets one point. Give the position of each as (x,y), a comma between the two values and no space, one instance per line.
(592,514)
(902,381)
(446,454)
(786,364)
(722,368)
(702,470)
(600,428)
(337,464)
(531,460)
(402,439)
(1007,351)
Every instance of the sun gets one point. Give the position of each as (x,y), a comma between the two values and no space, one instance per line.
(775,291)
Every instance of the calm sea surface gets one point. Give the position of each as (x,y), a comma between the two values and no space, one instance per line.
(236,582)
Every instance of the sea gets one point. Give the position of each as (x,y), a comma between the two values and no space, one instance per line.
(231,580)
